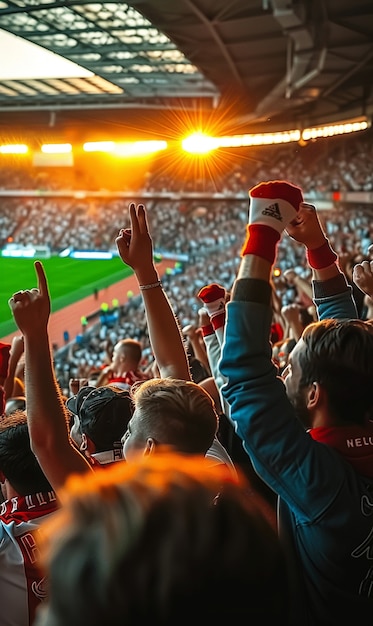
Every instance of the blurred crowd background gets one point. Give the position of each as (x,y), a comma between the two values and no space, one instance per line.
(197,220)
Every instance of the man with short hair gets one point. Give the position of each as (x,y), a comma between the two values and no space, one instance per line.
(124,369)
(309,436)
(28,500)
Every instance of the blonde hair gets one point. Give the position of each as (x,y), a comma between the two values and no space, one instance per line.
(176,412)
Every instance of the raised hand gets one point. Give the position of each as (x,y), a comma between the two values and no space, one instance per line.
(77,383)
(362,275)
(203,317)
(273,205)
(135,247)
(31,307)
(290,275)
(306,228)
(134,244)
(214,297)
(192,332)
(18,347)
(346,263)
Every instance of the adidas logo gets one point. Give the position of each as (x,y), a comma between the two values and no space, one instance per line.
(273,210)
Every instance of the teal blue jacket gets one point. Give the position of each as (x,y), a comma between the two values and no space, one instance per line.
(325,512)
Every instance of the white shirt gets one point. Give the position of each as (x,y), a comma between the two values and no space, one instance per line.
(22,586)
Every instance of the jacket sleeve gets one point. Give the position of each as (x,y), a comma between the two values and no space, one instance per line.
(334,299)
(282,453)
(213,348)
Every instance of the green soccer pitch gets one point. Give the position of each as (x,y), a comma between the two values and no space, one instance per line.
(69,280)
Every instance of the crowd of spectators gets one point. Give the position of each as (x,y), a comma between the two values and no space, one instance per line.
(202,377)
(204,233)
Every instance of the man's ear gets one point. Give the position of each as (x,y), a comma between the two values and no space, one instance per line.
(83,445)
(87,446)
(150,446)
(315,395)
(2,477)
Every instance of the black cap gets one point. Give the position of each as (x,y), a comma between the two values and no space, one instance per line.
(75,402)
(104,413)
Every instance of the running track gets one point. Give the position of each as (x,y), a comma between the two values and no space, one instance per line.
(69,317)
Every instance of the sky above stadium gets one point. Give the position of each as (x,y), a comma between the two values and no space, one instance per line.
(21,59)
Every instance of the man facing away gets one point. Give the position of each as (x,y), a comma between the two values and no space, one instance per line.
(101,417)
(309,436)
(124,369)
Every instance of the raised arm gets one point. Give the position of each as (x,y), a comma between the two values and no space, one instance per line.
(291,314)
(331,291)
(264,418)
(302,286)
(362,275)
(136,250)
(16,352)
(4,373)
(212,322)
(46,413)
(193,335)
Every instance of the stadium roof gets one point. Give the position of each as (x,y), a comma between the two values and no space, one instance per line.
(238,64)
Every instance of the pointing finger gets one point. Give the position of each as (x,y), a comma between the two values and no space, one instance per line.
(42,279)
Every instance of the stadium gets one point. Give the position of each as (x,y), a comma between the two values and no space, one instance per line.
(184,108)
